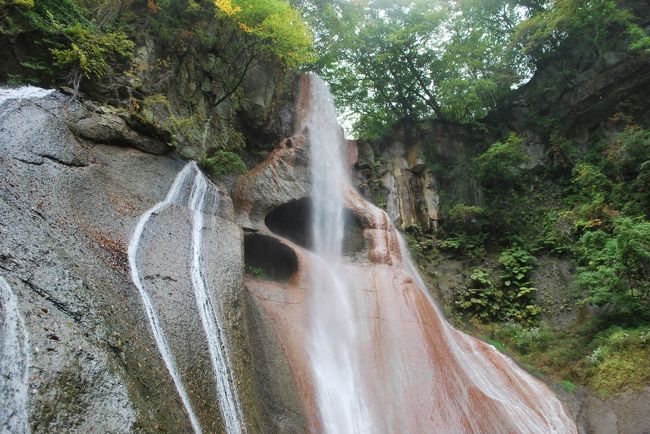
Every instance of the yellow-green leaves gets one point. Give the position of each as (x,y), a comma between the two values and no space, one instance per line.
(90,49)
(276,24)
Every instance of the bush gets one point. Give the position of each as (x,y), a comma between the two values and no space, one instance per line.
(614,267)
(621,360)
(525,340)
(89,49)
(223,163)
(511,300)
(502,164)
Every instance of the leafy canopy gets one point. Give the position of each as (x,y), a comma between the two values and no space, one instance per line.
(388,60)
(276,24)
(414,59)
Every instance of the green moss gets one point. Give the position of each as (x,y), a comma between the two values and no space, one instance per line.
(568,386)
(223,163)
(621,360)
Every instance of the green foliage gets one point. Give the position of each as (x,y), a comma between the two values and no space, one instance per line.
(525,340)
(465,218)
(89,49)
(568,386)
(419,242)
(502,164)
(414,59)
(277,25)
(512,298)
(223,163)
(256,272)
(594,20)
(613,267)
(620,360)
(74,38)
(472,246)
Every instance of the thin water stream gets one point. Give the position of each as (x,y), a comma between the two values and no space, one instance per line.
(226,391)
(15,358)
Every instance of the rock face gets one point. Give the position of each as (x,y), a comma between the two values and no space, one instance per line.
(407,173)
(112,129)
(624,413)
(68,208)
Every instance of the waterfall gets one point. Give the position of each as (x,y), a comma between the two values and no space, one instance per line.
(14,364)
(382,357)
(19,93)
(152,315)
(23,92)
(334,333)
(215,334)
(210,319)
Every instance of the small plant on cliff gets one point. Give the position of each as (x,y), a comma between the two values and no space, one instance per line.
(511,298)
(419,242)
(223,163)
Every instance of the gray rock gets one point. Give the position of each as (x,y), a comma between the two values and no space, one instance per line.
(624,413)
(111,128)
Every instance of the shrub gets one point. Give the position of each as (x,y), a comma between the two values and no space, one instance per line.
(613,267)
(223,163)
(621,360)
(512,299)
(90,49)
(502,164)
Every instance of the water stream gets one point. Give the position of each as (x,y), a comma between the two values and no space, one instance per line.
(210,318)
(334,334)
(20,93)
(214,331)
(14,364)
(382,356)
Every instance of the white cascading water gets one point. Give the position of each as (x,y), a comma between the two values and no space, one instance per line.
(383,359)
(23,92)
(333,329)
(14,364)
(215,334)
(19,93)
(217,343)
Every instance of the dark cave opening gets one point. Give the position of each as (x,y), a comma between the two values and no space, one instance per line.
(267,258)
(292,220)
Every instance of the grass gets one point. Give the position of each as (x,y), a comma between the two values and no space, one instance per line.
(607,359)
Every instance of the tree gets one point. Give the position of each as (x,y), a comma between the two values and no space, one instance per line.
(415,59)
(614,267)
(501,165)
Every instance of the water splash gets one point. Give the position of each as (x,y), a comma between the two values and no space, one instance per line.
(20,93)
(333,328)
(15,359)
(214,331)
(24,92)
(152,315)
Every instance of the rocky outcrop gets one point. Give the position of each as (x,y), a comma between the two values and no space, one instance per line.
(68,208)
(407,173)
(112,129)
(624,413)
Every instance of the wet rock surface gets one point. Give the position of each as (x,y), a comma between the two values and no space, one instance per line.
(67,211)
